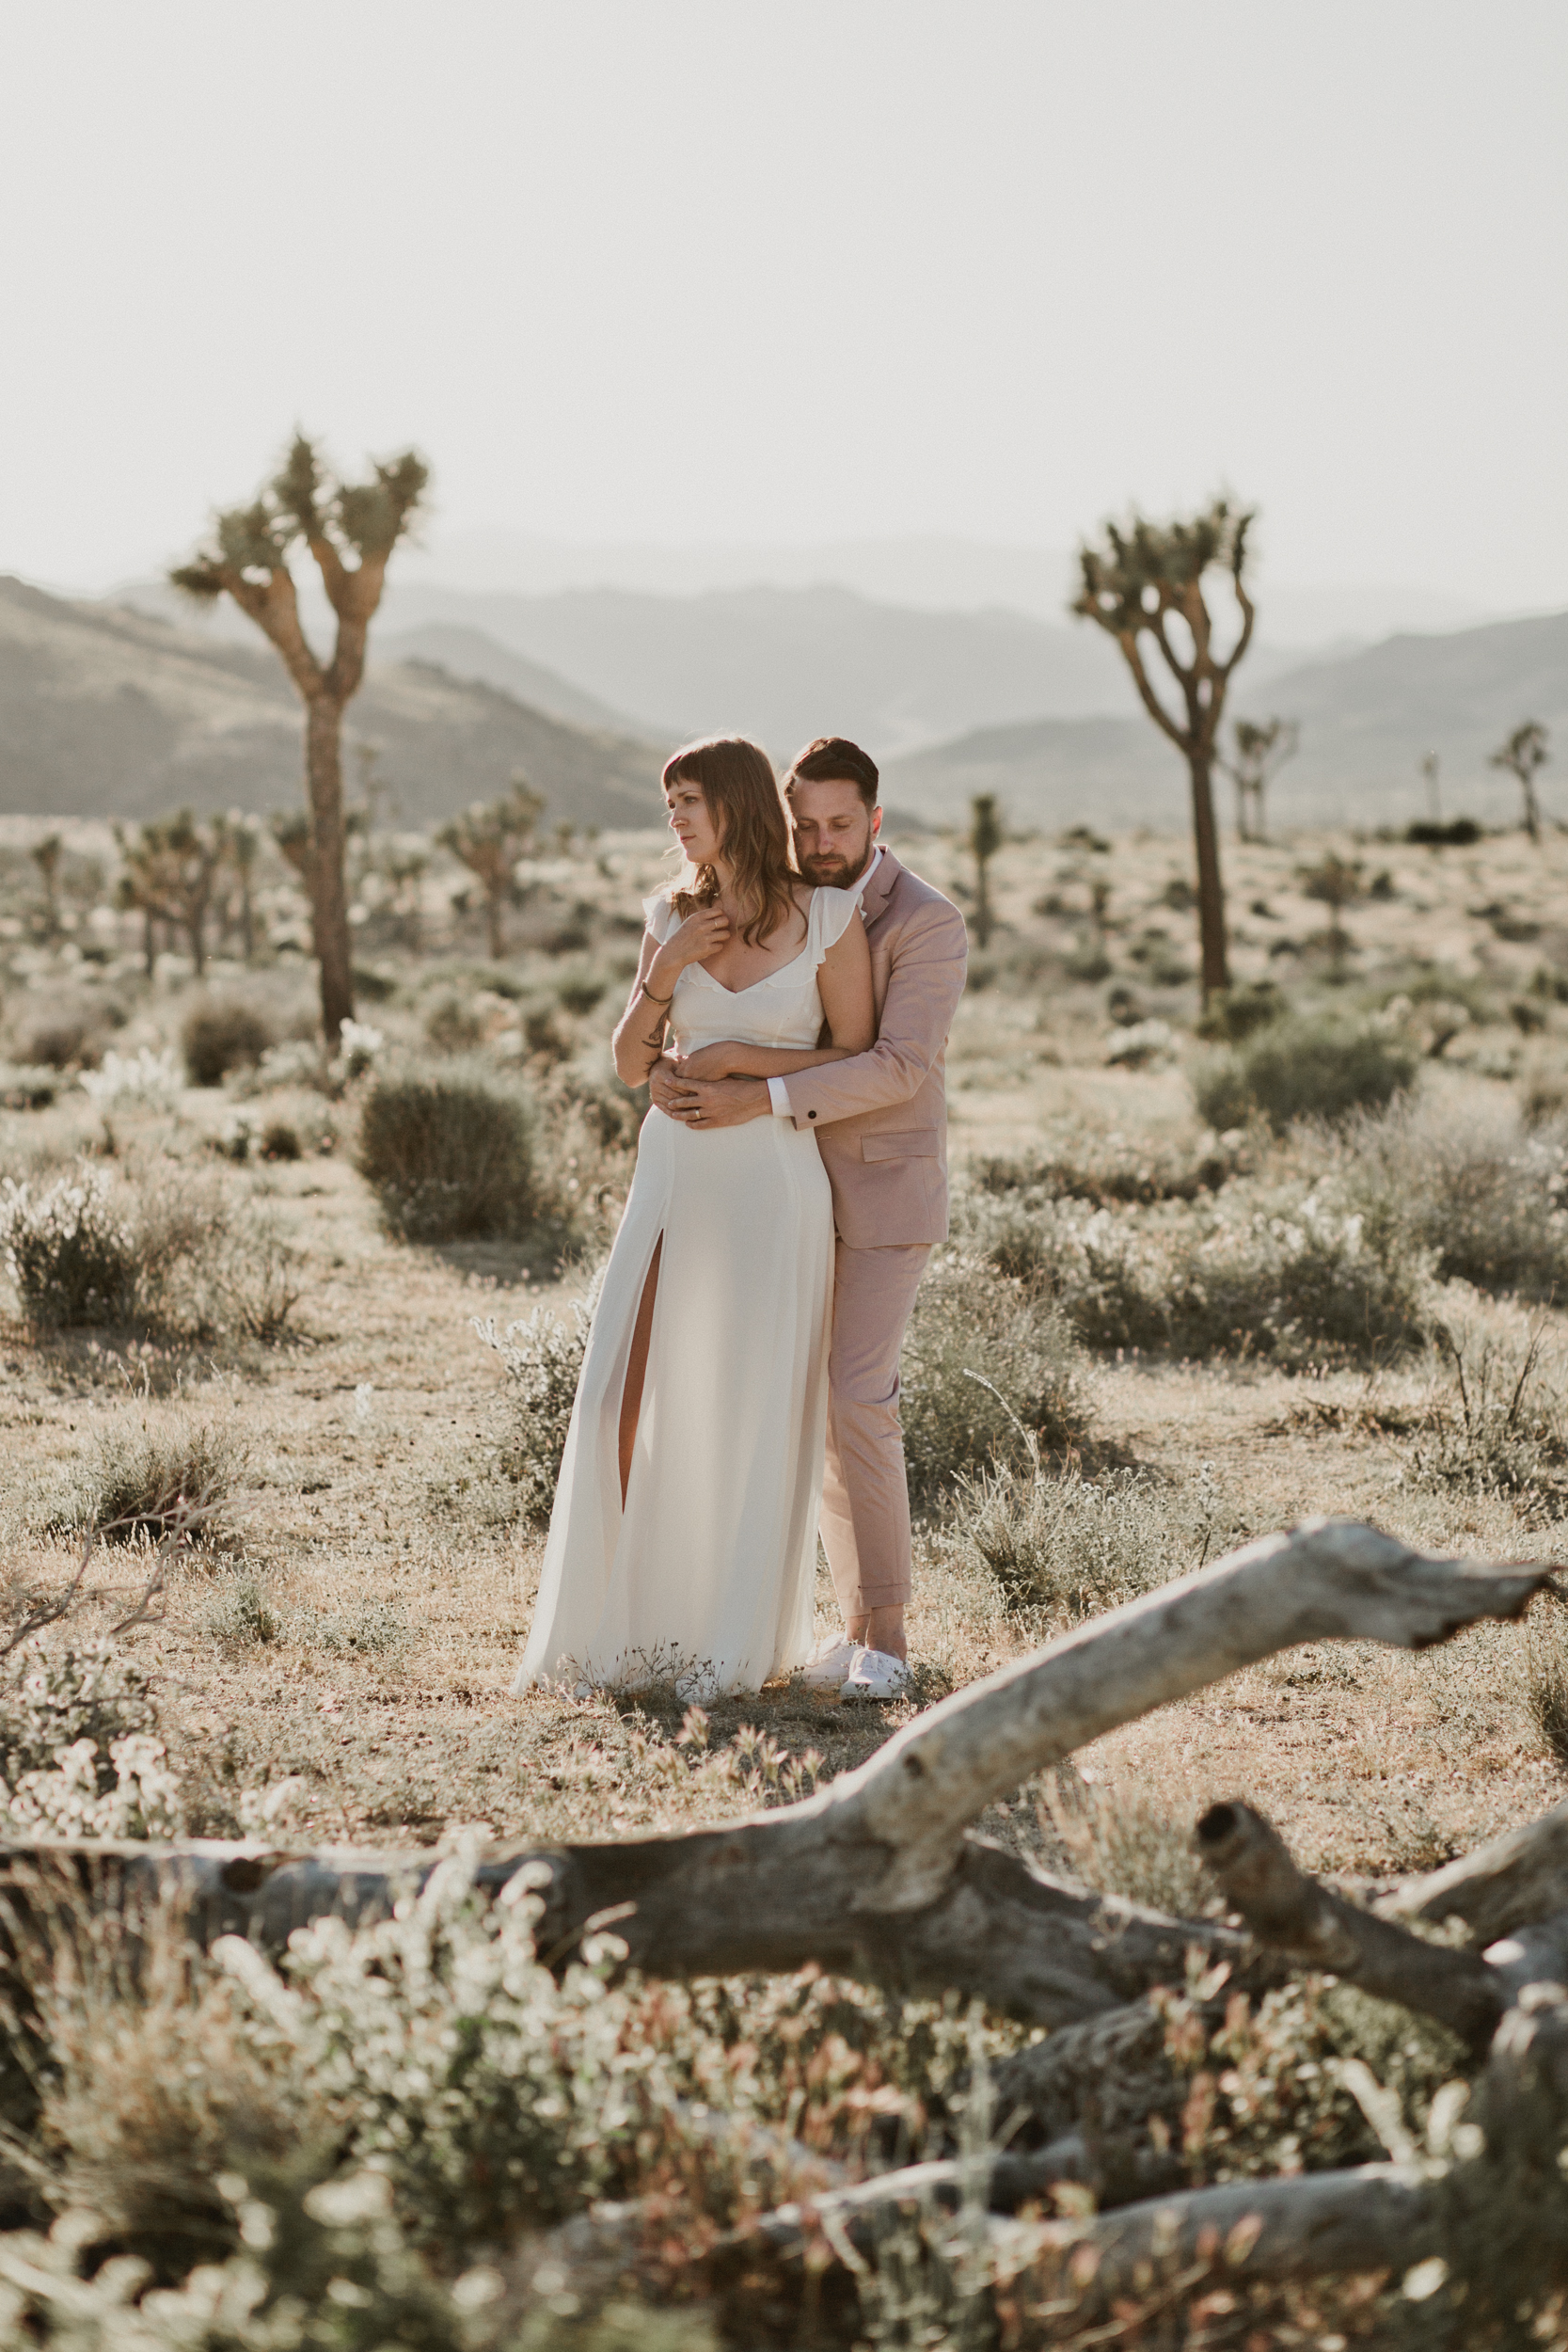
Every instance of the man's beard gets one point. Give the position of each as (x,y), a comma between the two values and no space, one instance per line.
(833,873)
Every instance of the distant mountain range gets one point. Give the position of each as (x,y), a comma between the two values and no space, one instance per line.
(1366,720)
(784,664)
(106,712)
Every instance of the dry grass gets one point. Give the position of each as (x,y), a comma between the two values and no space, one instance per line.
(361,1639)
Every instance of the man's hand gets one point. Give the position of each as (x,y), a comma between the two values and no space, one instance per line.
(705,1102)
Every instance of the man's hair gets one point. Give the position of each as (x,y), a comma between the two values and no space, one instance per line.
(834,760)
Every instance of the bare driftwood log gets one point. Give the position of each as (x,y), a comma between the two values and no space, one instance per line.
(875,1876)
(1509,1884)
(1290,1911)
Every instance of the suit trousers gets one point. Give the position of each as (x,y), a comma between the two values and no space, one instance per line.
(866,1500)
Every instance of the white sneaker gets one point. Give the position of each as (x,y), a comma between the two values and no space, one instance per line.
(875,1675)
(830,1661)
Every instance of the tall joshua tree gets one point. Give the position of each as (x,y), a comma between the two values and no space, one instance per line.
(1132,586)
(350,530)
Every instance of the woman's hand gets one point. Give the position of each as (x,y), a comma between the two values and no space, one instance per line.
(699,936)
(708,1061)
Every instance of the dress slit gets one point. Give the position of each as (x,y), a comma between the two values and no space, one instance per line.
(638,1356)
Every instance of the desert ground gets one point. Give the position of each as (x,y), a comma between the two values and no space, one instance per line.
(288,1356)
(343,1633)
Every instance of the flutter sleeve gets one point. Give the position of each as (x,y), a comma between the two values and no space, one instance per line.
(661,916)
(832,913)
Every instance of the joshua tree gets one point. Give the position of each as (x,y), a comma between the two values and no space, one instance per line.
(243,842)
(490,837)
(1261,753)
(1132,586)
(985,840)
(1335,884)
(45,855)
(248,560)
(170,868)
(1432,769)
(1522,755)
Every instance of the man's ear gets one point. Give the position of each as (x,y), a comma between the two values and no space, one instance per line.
(875,822)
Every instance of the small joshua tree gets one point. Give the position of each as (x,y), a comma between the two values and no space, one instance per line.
(1335,884)
(1132,586)
(1261,751)
(45,855)
(170,868)
(247,558)
(489,838)
(1523,756)
(985,840)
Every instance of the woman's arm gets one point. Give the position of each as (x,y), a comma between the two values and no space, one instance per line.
(844,983)
(638,1038)
(640,1032)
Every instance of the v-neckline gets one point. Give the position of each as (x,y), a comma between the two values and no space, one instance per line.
(751,984)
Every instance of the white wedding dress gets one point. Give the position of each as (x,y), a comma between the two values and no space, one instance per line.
(709,1572)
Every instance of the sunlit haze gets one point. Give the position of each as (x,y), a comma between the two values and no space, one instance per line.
(704,278)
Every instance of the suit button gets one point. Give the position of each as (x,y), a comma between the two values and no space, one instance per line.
(811,1114)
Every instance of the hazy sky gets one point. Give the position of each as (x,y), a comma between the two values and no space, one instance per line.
(687,270)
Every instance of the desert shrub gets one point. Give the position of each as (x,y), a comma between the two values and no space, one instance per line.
(28,1088)
(1118,1842)
(1287,1272)
(1495,1419)
(543,1356)
(449,1157)
(1457,833)
(152,1472)
(1082,1162)
(280,1140)
(151,1245)
(239,1613)
(373,1627)
(1069,1547)
(973,1325)
(1486,1193)
(79,1755)
(581,987)
(70,1249)
(65,1039)
(219,1036)
(452,1025)
(1303,1068)
(1234,1014)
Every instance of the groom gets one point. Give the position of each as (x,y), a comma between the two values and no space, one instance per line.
(880,1119)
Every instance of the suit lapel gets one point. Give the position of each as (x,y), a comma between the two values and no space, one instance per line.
(879,890)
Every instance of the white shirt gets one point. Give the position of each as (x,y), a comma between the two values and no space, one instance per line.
(777,1094)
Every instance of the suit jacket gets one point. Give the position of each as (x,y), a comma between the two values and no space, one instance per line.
(881,1118)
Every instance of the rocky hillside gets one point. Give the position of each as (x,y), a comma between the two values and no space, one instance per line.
(105,711)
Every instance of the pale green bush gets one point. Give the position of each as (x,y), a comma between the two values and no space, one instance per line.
(990,1366)
(543,1355)
(1304,1067)
(1067,1547)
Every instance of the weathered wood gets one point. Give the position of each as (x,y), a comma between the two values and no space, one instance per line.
(1290,1911)
(1503,1886)
(875,1876)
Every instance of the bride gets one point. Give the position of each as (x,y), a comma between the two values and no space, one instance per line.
(684,1530)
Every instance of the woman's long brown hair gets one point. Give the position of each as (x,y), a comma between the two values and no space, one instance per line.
(735,779)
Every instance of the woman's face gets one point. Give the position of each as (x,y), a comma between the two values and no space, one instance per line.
(691,821)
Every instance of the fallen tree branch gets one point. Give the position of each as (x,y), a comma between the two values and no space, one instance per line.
(1504,1886)
(875,1877)
(1285,1908)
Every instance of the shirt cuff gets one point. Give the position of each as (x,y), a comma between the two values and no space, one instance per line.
(777,1096)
